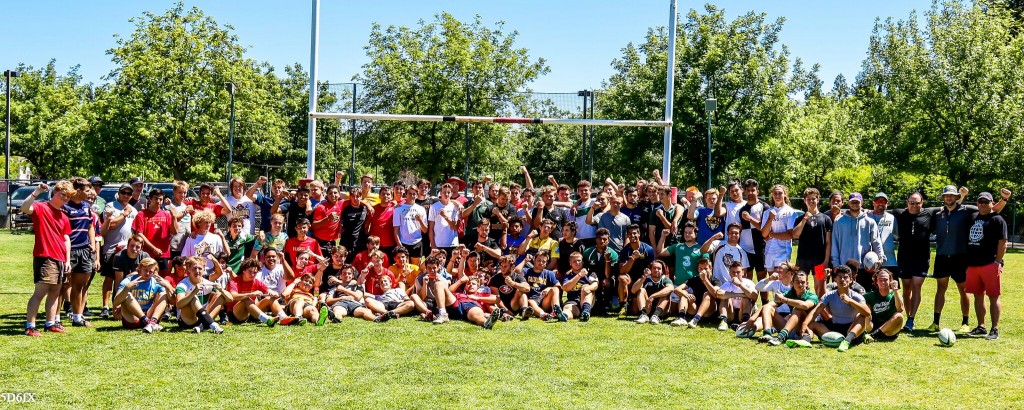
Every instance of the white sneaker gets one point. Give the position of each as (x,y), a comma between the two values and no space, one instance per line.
(723,325)
(157,327)
(216,329)
(655,320)
(441,319)
(197,329)
(692,324)
(679,322)
(643,318)
(149,328)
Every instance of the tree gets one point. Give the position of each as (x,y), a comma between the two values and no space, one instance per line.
(445,67)
(740,62)
(946,98)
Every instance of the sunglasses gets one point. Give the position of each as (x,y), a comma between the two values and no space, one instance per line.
(124,193)
(984,201)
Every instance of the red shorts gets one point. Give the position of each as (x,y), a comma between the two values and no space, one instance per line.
(819,273)
(984,279)
(132,325)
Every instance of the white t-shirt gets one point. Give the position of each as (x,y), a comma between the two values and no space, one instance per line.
(747,235)
(784,220)
(202,245)
(723,255)
(274,279)
(245,209)
(584,230)
(444,235)
(185,286)
(732,211)
(404,217)
(730,287)
(117,233)
(776,287)
(393,295)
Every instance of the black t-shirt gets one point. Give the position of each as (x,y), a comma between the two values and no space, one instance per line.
(647,209)
(353,222)
(755,230)
(293,212)
(486,259)
(555,214)
(983,238)
(566,249)
(127,265)
(328,272)
(505,292)
(812,240)
(507,212)
(912,232)
(425,203)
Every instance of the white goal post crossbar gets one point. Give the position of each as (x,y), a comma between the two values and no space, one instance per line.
(493,120)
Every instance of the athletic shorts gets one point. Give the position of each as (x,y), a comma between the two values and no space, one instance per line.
(47,270)
(390,305)
(186,326)
(415,251)
(951,266)
(460,311)
(132,325)
(815,269)
(884,337)
(984,279)
(756,260)
(350,306)
(697,287)
(841,328)
(912,269)
(107,265)
(773,260)
(570,303)
(896,270)
(82,260)
(234,319)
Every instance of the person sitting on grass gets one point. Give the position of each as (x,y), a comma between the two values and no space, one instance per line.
(707,302)
(199,300)
(302,303)
(127,261)
(886,304)
(430,295)
(472,304)
(843,311)
(251,298)
(579,286)
(801,301)
(346,297)
(331,267)
(737,291)
(652,293)
(771,316)
(272,272)
(142,298)
(510,286)
(372,273)
(404,271)
(274,238)
(391,303)
(302,241)
(544,292)
(685,254)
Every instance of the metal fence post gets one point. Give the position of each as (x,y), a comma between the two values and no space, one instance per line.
(352,125)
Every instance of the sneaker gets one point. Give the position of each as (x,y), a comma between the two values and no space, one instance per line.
(272,321)
(287,321)
(87,313)
(332,317)
(614,303)
(584,316)
(105,313)
(775,341)
(934,327)
(562,317)
(56,328)
(197,329)
(167,316)
(392,314)
(965,328)
(380,318)
(992,334)
(440,319)
(692,324)
(427,317)
(223,319)
(907,328)
(794,343)
(844,346)
(643,318)
(80,323)
(868,338)
(765,339)
(148,328)
(216,329)
(32,332)
(979,331)
(157,327)
(493,317)
(655,320)
(505,317)
(323,316)
(527,313)
(300,321)
(723,325)
(678,322)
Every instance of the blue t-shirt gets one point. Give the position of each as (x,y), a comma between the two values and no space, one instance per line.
(539,281)
(636,216)
(708,224)
(266,203)
(574,293)
(841,312)
(80,216)
(638,267)
(145,293)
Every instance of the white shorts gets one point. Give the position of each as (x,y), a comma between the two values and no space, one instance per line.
(771,261)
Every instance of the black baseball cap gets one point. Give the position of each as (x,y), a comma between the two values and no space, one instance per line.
(95,180)
(136,180)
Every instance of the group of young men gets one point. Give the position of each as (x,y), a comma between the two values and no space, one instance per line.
(316,254)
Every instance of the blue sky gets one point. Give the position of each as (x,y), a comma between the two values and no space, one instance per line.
(577,38)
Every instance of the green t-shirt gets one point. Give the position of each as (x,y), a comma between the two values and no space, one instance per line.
(240,247)
(882,307)
(686,261)
(808,295)
(653,286)
(481,212)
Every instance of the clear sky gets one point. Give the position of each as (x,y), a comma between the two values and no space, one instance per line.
(578,38)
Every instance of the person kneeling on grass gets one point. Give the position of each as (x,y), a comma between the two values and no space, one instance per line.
(472,306)
(302,303)
(391,303)
(252,299)
(843,311)
(142,298)
(544,292)
(737,291)
(199,300)
(346,297)
(579,286)
(771,316)
(652,293)
(801,301)
(886,304)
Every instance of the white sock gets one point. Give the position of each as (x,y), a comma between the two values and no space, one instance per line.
(264,318)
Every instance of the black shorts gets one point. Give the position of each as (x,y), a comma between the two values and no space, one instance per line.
(951,266)
(164,264)
(234,319)
(841,328)
(912,269)
(697,286)
(882,336)
(186,326)
(896,270)
(756,261)
(415,251)
(325,247)
(350,306)
(390,305)
(82,260)
(107,265)
(864,278)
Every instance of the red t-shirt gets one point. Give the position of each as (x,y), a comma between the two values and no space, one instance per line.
(210,206)
(330,229)
(237,285)
(50,225)
(293,246)
(381,224)
(155,226)
(373,281)
(363,258)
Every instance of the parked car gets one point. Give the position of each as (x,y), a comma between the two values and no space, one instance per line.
(19,220)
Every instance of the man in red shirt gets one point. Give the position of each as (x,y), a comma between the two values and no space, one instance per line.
(156,226)
(252,298)
(51,253)
(363,258)
(300,242)
(381,222)
(205,201)
(327,220)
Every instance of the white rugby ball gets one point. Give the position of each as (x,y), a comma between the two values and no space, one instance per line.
(870,260)
(947,337)
(832,339)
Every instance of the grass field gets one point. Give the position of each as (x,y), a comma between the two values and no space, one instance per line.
(605,363)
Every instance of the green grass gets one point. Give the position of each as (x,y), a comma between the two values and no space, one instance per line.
(606,363)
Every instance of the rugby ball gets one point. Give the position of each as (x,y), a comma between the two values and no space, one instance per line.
(947,337)
(832,339)
(870,260)
(744,332)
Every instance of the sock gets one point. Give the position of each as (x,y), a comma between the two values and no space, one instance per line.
(204,317)
(723,317)
(264,318)
(281,315)
(783,334)
(30,325)
(910,322)
(696,318)
(58,317)
(770,331)
(806,337)
(47,324)
(964,322)
(145,319)
(658,312)
(850,336)
(586,307)
(938,315)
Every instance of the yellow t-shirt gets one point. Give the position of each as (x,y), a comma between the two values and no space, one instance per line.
(410,279)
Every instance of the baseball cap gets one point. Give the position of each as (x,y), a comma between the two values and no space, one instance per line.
(855,196)
(882,195)
(950,190)
(985,195)
(136,180)
(95,180)
(125,187)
